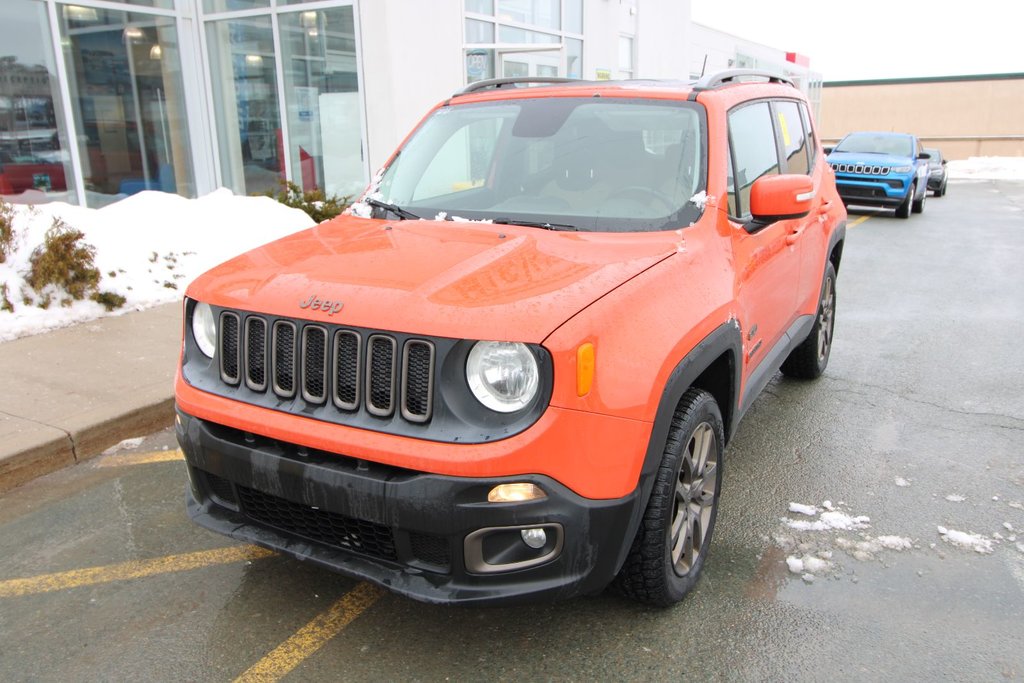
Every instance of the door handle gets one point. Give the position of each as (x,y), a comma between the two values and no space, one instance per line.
(792,237)
(825,207)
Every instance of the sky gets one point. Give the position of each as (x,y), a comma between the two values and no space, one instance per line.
(873,39)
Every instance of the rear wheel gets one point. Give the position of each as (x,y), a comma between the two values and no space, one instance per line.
(810,359)
(672,542)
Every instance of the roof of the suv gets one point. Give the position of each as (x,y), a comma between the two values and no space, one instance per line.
(540,86)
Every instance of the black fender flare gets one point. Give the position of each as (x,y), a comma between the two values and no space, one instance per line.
(725,339)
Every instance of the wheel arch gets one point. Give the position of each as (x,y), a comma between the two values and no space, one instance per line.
(712,365)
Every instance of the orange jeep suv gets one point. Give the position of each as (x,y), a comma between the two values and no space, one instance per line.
(511,370)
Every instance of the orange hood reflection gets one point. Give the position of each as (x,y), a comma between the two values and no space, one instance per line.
(464,280)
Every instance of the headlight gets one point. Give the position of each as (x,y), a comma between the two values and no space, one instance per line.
(901,169)
(502,375)
(204,328)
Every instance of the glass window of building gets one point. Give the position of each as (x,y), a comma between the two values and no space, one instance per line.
(322,97)
(211,6)
(525,38)
(480,6)
(546,13)
(124,72)
(625,57)
(35,164)
(243,73)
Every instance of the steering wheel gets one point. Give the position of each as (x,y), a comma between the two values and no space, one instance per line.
(643,195)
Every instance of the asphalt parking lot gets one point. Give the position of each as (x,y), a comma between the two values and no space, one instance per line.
(917,424)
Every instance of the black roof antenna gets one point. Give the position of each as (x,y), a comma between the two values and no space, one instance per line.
(704,66)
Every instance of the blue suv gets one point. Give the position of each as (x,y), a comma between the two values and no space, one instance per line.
(881,169)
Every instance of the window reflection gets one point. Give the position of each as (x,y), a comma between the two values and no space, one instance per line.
(34,162)
(242,65)
(125,79)
(322,98)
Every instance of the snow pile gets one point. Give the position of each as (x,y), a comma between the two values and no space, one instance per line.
(148,248)
(808,510)
(832,520)
(964,539)
(987,168)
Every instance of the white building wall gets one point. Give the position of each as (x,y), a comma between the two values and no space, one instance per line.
(411,59)
(663,34)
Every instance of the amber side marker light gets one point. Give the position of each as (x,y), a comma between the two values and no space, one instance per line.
(584,369)
(519,492)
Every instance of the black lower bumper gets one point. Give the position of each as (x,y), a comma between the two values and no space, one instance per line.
(867,196)
(430,537)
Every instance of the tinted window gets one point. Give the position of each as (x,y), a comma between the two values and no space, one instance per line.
(596,164)
(791,135)
(752,139)
(811,139)
(877,143)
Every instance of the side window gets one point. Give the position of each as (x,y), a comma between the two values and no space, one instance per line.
(791,135)
(811,139)
(462,163)
(754,154)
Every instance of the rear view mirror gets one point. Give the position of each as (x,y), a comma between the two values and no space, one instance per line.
(828,150)
(779,197)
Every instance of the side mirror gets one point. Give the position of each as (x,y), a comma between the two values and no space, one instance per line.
(924,155)
(945,161)
(779,197)
(828,150)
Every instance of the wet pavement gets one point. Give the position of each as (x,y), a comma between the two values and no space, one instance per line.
(918,423)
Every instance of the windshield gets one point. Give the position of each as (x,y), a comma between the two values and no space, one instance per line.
(936,156)
(877,143)
(596,164)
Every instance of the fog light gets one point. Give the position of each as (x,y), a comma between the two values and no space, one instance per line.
(535,538)
(515,493)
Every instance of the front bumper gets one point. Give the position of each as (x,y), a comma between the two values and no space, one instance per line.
(872,190)
(417,534)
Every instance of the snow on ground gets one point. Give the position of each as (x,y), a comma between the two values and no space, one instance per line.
(965,539)
(148,248)
(987,168)
(808,510)
(901,482)
(955,498)
(809,544)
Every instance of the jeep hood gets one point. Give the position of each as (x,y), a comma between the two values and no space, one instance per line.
(463,280)
(869,159)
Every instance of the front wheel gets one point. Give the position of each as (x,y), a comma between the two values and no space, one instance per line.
(903,210)
(672,542)
(810,358)
(918,205)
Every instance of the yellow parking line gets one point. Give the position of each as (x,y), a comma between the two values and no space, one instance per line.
(856,222)
(135,569)
(139,458)
(313,635)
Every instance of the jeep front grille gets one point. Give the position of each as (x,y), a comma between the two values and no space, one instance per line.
(346,370)
(860,169)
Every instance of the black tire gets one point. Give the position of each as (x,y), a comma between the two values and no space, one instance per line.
(903,210)
(810,359)
(917,206)
(662,566)
(942,189)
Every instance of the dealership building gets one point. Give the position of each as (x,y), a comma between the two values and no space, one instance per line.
(100,99)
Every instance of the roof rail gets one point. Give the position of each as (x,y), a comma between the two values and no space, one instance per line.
(721,78)
(495,83)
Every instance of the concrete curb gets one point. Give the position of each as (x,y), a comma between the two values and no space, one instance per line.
(83,444)
(74,392)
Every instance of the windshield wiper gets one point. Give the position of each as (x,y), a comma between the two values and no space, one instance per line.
(393,208)
(537,224)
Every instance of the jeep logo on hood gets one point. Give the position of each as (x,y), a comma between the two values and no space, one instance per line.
(326,305)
